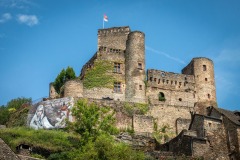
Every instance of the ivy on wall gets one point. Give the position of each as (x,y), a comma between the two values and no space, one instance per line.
(135,108)
(99,75)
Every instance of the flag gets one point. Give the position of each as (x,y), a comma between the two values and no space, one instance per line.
(105,18)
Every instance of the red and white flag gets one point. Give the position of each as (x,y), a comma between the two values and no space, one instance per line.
(105,18)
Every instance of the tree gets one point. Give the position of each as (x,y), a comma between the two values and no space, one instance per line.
(62,77)
(14,112)
(91,120)
(95,125)
(70,74)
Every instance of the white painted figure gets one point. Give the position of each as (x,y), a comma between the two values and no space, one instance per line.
(40,120)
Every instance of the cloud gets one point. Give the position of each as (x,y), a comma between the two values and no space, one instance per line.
(5,17)
(229,56)
(19,4)
(166,55)
(29,20)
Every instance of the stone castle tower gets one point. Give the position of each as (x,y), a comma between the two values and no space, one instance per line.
(135,68)
(124,51)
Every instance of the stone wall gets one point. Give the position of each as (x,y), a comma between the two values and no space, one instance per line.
(197,125)
(168,115)
(73,88)
(170,80)
(171,97)
(181,124)
(142,124)
(101,93)
(232,137)
(52,91)
(113,37)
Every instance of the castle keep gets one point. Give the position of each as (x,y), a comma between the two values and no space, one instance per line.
(122,53)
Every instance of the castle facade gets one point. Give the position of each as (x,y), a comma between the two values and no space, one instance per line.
(117,71)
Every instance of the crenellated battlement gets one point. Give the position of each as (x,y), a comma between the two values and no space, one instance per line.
(114,30)
(162,79)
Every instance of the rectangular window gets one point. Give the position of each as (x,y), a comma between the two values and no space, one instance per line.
(140,87)
(117,68)
(139,65)
(204,67)
(117,87)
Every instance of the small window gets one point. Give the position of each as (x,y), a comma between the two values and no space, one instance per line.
(204,67)
(140,87)
(155,79)
(180,99)
(161,96)
(206,79)
(159,80)
(139,65)
(209,96)
(117,87)
(209,125)
(117,67)
(150,79)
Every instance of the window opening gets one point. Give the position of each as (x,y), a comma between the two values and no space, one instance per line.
(150,79)
(117,87)
(209,96)
(159,80)
(161,96)
(140,87)
(180,99)
(139,65)
(206,79)
(117,67)
(204,67)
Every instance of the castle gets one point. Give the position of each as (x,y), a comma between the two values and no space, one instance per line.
(123,52)
(116,75)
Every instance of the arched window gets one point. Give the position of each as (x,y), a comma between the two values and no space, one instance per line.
(161,96)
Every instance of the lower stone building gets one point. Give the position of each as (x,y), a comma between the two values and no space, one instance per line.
(212,136)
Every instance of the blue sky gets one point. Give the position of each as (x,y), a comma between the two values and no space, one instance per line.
(38,38)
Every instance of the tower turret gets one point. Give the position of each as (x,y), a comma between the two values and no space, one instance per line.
(135,67)
(203,71)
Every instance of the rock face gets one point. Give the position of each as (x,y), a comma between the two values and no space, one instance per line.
(6,153)
(139,142)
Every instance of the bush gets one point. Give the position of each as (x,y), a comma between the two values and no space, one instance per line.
(44,142)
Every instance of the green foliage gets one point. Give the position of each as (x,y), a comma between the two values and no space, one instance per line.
(92,120)
(135,108)
(161,98)
(15,112)
(4,115)
(48,140)
(95,125)
(163,134)
(70,74)
(99,75)
(103,148)
(62,77)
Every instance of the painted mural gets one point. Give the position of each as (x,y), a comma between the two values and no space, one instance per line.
(51,113)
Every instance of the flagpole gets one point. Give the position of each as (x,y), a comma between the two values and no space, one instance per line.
(103,23)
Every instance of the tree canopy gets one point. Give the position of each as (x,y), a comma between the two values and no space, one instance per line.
(62,77)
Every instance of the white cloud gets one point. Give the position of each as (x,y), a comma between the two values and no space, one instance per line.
(229,56)
(166,55)
(19,4)
(29,20)
(5,17)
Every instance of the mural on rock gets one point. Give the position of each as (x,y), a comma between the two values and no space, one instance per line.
(51,114)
